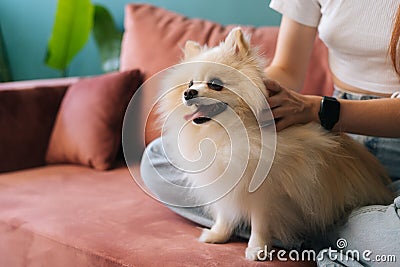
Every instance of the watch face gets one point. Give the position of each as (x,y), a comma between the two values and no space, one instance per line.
(329,112)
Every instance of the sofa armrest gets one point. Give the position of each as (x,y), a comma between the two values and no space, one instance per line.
(21,85)
(27,113)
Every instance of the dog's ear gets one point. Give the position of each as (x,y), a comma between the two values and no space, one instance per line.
(191,49)
(237,41)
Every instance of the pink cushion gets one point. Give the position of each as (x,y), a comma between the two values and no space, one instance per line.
(88,126)
(154,37)
(169,32)
(27,115)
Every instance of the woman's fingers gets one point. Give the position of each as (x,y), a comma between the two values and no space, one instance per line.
(285,118)
(289,107)
(287,99)
(286,113)
(282,124)
(272,86)
(277,94)
(279,112)
(274,101)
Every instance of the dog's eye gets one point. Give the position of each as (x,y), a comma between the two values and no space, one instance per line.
(190,84)
(215,84)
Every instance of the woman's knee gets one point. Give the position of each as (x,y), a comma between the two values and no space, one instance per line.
(163,181)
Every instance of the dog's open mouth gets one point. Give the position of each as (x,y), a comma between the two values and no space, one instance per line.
(204,113)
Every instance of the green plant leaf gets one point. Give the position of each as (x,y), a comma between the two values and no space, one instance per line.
(108,38)
(5,72)
(71,30)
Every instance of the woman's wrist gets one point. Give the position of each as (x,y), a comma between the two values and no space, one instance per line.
(314,107)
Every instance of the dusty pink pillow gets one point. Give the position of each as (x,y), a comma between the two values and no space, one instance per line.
(154,37)
(162,48)
(88,127)
(153,52)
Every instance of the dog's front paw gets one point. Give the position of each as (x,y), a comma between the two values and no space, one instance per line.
(255,253)
(209,236)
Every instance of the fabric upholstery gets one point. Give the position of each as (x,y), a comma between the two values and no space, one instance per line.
(27,116)
(154,38)
(88,126)
(70,215)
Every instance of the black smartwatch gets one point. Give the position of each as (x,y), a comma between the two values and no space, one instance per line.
(329,112)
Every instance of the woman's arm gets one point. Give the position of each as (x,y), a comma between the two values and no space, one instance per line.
(292,55)
(377,117)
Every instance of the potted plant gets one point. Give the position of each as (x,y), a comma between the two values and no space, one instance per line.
(75,20)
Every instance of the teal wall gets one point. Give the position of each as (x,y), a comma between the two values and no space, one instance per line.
(27,25)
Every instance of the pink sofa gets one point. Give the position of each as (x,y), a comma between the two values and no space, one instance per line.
(66,195)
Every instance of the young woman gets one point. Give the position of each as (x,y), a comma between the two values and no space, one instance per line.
(363,42)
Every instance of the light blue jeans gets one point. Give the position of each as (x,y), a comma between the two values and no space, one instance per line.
(371,235)
(387,150)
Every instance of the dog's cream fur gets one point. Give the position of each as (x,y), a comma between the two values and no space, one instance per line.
(316,177)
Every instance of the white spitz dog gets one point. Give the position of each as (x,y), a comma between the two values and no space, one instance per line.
(315,178)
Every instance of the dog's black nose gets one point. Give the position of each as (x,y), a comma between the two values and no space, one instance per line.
(190,93)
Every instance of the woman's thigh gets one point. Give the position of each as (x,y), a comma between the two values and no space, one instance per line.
(169,184)
(370,237)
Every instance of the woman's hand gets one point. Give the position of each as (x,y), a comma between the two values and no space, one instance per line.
(289,107)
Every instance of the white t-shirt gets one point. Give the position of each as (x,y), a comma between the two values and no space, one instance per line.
(357,34)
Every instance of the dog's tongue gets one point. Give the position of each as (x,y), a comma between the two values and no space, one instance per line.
(207,111)
(201,111)
(194,115)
